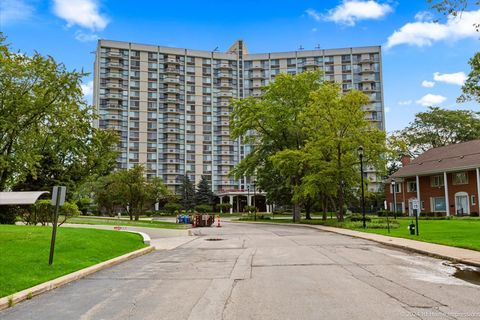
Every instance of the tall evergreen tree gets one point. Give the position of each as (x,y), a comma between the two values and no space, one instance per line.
(204,194)
(187,194)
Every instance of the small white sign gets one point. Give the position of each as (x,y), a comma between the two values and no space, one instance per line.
(59,191)
(415,204)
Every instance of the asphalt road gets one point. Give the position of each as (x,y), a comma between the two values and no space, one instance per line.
(265,272)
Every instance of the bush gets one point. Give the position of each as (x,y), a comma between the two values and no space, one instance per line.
(384,213)
(250,209)
(42,212)
(224,207)
(203,208)
(8,214)
(172,207)
(474,214)
(359,217)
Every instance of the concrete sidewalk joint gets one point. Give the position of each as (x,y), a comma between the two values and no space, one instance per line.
(15,298)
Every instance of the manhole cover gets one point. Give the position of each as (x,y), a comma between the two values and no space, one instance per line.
(213,239)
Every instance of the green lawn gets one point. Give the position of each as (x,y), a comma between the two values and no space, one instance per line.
(125,222)
(456,232)
(24,252)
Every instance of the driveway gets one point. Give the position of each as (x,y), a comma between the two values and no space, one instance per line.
(246,271)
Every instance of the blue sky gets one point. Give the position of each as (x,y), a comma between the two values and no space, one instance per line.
(424,62)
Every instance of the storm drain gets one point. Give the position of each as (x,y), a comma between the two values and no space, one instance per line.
(213,239)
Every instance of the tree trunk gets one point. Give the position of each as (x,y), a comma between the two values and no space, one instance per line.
(308,207)
(324,208)
(296,212)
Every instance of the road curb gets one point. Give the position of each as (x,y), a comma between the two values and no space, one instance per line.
(20,296)
(386,241)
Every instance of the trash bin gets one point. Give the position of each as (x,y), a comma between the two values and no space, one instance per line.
(411,228)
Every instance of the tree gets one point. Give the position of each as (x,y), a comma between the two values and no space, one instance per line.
(46,133)
(159,191)
(187,194)
(336,126)
(436,128)
(275,119)
(204,194)
(471,87)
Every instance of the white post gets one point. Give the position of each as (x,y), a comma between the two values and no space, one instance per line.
(417,181)
(445,182)
(231,204)
(249,200)
(268,208)
(478,189)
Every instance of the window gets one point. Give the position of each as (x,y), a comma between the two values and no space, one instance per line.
(437,181)
(438,204)
(411,186)
(460,178)
(474,200)
(398,188)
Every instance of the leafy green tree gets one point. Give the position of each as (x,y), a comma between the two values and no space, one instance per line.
(471,87)
(436,128)
(336,127)
(275,119)
(187,194)
(204,194)
(159,191)
(46,133)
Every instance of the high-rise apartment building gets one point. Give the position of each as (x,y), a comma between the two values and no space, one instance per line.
(170,106)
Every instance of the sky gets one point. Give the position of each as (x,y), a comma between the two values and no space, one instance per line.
(424,55)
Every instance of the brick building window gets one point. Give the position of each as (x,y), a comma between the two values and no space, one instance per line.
(437,181)
(411,186)
(474,200)
(460,178)
(398,187)
(438,204)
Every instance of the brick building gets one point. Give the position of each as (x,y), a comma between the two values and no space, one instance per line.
(442,178)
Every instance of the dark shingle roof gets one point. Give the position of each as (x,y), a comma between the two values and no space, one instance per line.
(454,157)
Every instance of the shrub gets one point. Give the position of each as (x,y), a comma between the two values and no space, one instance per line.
(8,214)
(42,212)
(203,208)
(224,207)
(384,213)
(172,207)
(250,209)
(474,214)
(359,217)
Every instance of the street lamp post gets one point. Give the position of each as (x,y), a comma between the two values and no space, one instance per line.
(360,155)
(254,194)
(248,196)
(394,198)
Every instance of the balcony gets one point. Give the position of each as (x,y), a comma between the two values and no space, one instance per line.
(172,61)
(367,70)
(257,76)
(172,120)
(311,63)
(172,80)
(112,106)
(114,96)
(114,65)
(225,66)
(257,67)
(225,94)
(172,100)
(225,75)
(113,75)
(113,85)
(113,54)
(365,80)
(172,71)
(172,90)
(173,111)
(226,85)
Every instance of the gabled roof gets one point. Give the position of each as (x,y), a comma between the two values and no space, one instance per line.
(455,157)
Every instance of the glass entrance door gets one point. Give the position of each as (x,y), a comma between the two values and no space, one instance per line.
(461,205)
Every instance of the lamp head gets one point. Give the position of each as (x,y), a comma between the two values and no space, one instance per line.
(360,151)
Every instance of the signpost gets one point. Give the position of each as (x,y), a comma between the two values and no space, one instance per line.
(416,207)
(58,199)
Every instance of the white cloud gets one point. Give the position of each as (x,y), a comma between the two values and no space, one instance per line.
(350,12)
(12,11)
(313,14)
(423,16)
(431,100)
(428,84)
(425,32)
(314,29)
(85,37)
(405,102)
(457,78)
(84,13)
(87,89)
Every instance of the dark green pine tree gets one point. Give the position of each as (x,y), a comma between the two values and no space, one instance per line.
(204,194)
(187,194)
